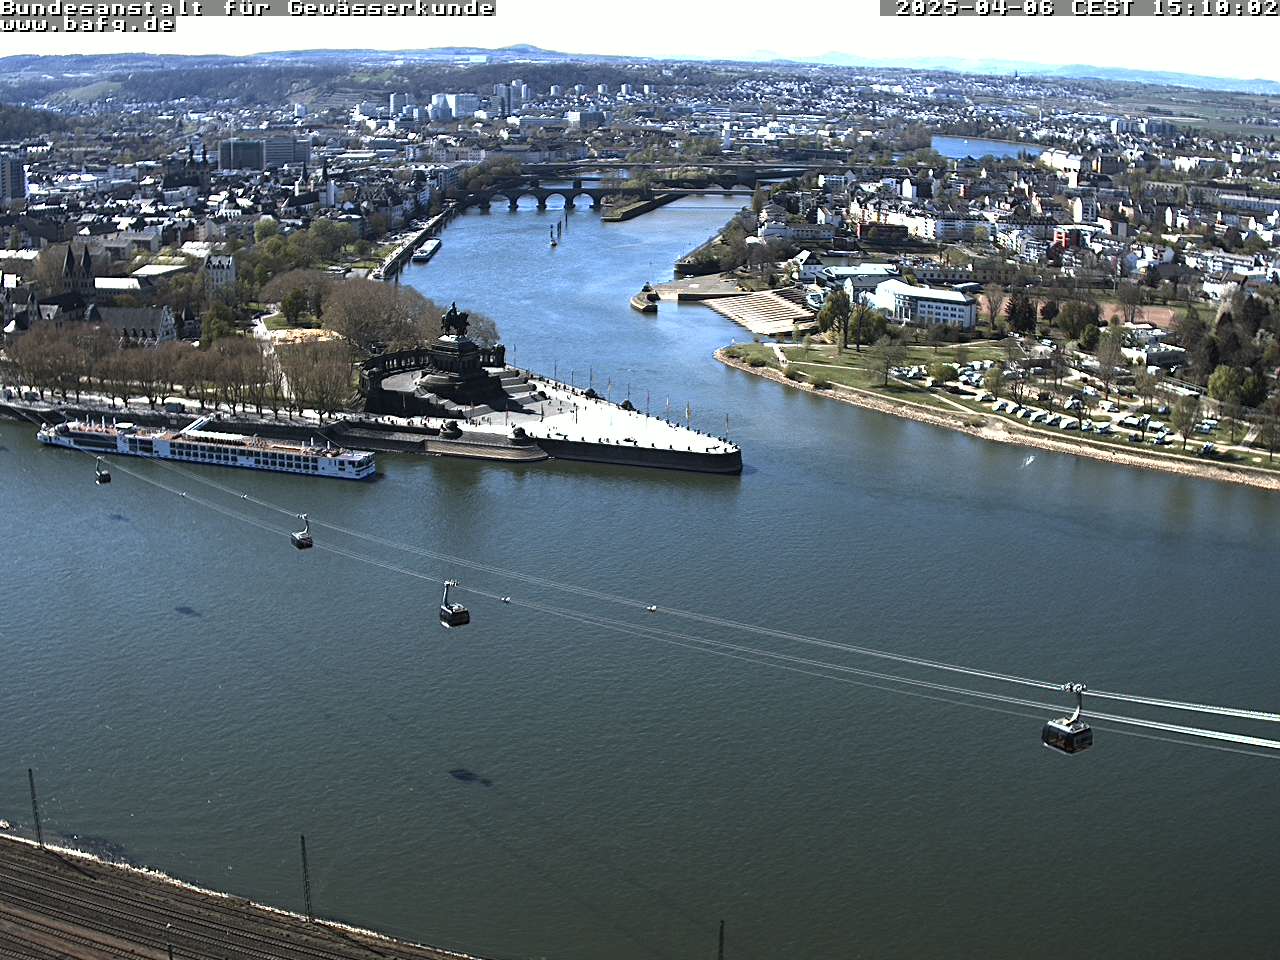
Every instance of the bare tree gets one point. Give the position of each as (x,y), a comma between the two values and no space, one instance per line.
(1110,358)
(995,301)
(1231,411)
(1185,415)
(374,317)
(1129,296)
(890,353)
(277,395)
(149,372)
(1146,384)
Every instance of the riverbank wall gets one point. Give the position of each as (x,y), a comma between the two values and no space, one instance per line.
(630,455)
(988,428)
(632,210)
(397,435)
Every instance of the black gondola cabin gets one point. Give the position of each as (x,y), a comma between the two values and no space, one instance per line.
(1067,734)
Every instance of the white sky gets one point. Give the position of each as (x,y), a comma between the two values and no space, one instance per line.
(732,29)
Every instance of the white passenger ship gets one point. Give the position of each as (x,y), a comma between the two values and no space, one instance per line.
(194,444)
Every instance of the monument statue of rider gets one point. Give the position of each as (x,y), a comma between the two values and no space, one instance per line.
(454,321)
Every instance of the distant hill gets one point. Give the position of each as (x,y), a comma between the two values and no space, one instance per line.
(1073,70)
(30,77)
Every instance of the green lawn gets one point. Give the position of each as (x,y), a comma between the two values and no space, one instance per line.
(753,352)
(276,321)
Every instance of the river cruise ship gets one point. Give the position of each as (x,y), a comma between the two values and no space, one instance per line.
(195,444)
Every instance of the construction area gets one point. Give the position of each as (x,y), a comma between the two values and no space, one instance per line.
(59,904)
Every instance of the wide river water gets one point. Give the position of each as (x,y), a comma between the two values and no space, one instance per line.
(197,692)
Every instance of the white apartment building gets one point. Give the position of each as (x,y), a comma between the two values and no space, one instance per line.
(926,306)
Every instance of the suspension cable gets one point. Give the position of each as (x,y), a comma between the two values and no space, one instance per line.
(648,632)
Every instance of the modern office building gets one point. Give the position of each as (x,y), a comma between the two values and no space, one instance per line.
(13,179)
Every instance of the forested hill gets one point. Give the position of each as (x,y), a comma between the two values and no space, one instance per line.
(19,123)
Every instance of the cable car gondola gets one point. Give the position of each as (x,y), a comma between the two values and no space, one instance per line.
(453,614)
(302,538)
(101,474)
(1069,734)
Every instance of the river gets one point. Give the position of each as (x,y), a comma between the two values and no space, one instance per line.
(957,148)
(199,693)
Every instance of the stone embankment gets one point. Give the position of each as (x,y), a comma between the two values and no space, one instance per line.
(1001,431)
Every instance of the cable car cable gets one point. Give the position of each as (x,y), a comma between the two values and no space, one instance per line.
(707,645)
(1166,703)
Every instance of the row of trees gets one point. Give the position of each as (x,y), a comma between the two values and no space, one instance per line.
(235,373)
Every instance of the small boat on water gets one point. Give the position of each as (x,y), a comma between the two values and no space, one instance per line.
(426,251)
(553,237)
(646,301)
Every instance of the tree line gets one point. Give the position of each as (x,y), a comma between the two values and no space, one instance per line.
(234,374)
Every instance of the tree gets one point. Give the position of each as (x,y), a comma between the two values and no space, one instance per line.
(150,373)
(1049,311)
(1110,357)
(277,394)
(218,321)
(1075,316)
(1225,383)
(1269,425)
(891,353)
(293,306)
(1185,415)
(1231,413)
(835,309)
(941,372)
(1021,313)
(995,301)
(320,375)
(374,317)
(1089,338)
(867,322)
(1253,390)
(1130,296)
(1146,384)
(993,381)
(48,270)
(265,229)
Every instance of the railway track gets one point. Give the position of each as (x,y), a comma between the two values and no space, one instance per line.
(37,951)
(78,899)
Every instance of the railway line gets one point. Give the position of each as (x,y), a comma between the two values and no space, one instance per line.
(60,904)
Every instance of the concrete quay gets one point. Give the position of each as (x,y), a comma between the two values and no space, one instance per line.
(562,422)
(546,420)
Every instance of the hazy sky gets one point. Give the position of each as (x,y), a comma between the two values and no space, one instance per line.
(734,29)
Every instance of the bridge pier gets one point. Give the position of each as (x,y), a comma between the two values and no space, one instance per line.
(542,203)
(513,204)
(595,202)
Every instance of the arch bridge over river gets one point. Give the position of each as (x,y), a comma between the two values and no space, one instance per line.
(597,190)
